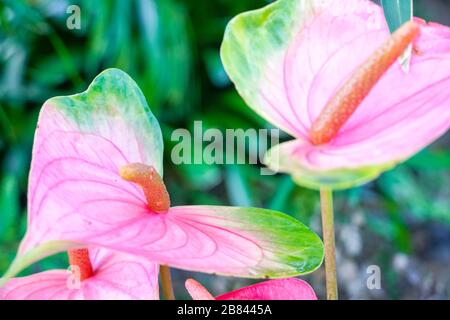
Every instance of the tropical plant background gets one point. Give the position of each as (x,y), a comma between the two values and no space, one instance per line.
(401,222)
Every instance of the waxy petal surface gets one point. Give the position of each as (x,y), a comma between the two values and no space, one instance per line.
(114,108)
(281,289)
(116,277)
(289,59)
(77,198)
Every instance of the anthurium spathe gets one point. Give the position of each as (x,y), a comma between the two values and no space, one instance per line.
(96,180)
(280,289)
(325,72)
(114,276)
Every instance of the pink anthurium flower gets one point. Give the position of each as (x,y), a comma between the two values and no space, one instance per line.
(96,181)
(325,72)
(113,276)
(280,289)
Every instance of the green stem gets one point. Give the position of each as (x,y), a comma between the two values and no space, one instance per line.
(326,202)
(166,283)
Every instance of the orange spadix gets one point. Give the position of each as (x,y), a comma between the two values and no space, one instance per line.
(80,259)
(147,177)
(339,109)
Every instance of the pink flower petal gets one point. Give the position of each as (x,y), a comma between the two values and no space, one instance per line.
(302,54)
(116,277)
(291,45)
(77,197)
(282,289)
(402,115)
(197,291)
(113,107)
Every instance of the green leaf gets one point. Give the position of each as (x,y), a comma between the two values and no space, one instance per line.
(201,176)
(418,199)
(9,204)
(279,199)
(398,12)
(238,188)
(431,160)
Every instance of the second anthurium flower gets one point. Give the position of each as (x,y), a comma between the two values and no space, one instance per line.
(279,289)
(96,184)
(109,276)
(325,72)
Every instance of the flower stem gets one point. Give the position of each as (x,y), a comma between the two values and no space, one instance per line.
(166,283)
(326,202)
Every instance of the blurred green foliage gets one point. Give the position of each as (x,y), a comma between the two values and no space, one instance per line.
(171,49)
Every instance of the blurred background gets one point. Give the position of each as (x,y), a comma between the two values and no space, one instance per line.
(400,222)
